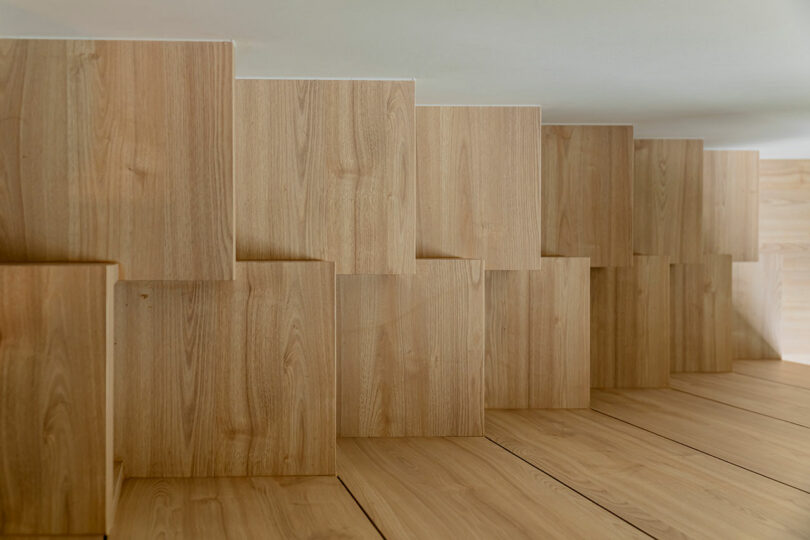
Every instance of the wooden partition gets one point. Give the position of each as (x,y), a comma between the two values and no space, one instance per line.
(56,462)
(109,154)
(230,378)
(757,307)
(411,351)
(538,337)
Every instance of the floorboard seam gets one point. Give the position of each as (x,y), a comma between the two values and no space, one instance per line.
(368,517)
(757,377)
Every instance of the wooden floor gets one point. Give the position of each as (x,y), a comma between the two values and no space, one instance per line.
(715,456)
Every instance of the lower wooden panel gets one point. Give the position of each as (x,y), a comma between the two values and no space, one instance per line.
(774,370)
(538,340)
(773,448)
(635,475)
(411,351)
(464,488)
(228,378)
(215,508)
(796,307)
(55,376)
(757,304)
(630,324)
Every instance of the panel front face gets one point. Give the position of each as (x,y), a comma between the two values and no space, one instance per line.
(54,362)
(119,150)
(326,171)
(668,199)
(588,193)
(784,205)
(411,351)
(228,378)
(478,184)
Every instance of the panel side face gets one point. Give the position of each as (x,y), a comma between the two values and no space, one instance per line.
(717,314)
(731,203)
(53,369)
(795,342)
(559,368)
(411,351)
(604,327)
(227,378)
(686,318)
(668,199)
(757,307)
(784,205)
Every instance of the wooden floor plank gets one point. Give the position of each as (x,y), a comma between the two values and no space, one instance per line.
(258,507)
(464,487)
(774,448)
(664,488)
(780,401)
(791,373)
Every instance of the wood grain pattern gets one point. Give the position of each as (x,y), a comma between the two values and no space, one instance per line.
(701,315)
(464,488)
(668,199)
(790,373)
(731,203)
(795,338)
(118,150)
(633,474)
(230,378)
(587,199)
(55,375)
(784,205)
(326,171)
(411,351)
(478,184)
(757,304)
(780,401)
(630,326)
(776,449)
(538,335)
(215,508)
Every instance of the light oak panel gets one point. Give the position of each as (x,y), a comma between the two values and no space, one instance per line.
(774,448)
(411,351)
(538,336)
(118,150)
(731,203)
(228,378)
(630,324)
(668,199)
(478,184)
(55,391)
(795,344)
(215,508)
(784,205)
(326,171)
(465,488)
(701,315)
(790,373)
(635,475)
(757,303)
(587,195)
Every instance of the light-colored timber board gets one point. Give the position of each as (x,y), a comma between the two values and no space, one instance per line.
(774,448)
(756,295)
(465,487)
(662,487)
(791,373)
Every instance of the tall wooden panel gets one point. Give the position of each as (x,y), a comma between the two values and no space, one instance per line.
(784,205)
(478,184)
(630,324)
(668,199)
(118,150)
(229,378)
(731,203)
(411,351)
(796,307)
(701,315)
(757,304)
(55,391)
(326,171)
(538,341)
(588,193)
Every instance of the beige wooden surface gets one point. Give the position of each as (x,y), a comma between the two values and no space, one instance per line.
(757,304)
(795,321)
(790,373)
(784,205)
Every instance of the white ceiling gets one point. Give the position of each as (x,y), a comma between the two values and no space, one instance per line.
(735,72)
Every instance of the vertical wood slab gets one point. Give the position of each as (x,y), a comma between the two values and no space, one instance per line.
(55,375)
(230,378)
(588,193)
(630,324)
(731,203)
(411,351)
(784,205)
(118,150)
(795,345)
(538,336)
(326,171)
(757,305)
(701,315)
(478,184)
(668,199)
